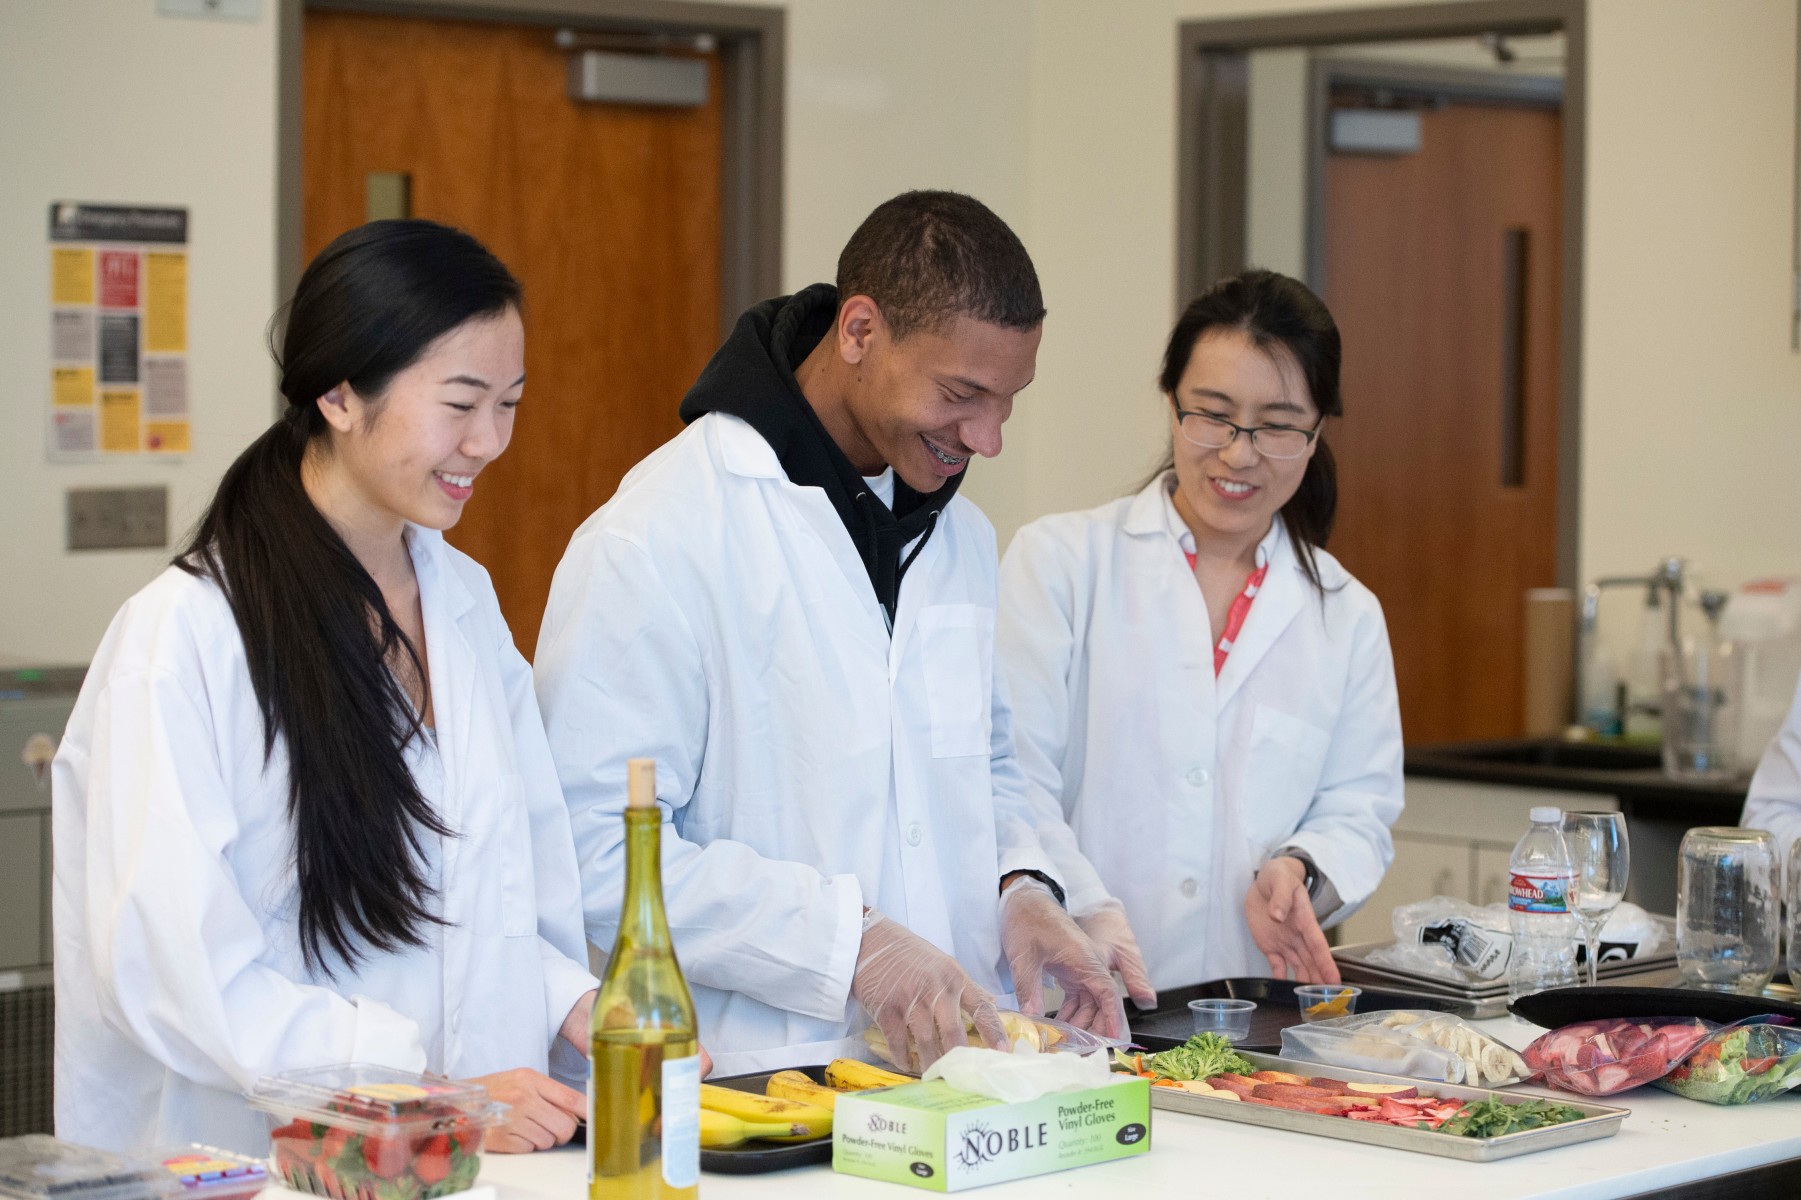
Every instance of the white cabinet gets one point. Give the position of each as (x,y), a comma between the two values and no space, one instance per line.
(1454,839)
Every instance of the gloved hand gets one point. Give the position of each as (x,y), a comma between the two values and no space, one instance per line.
(1283,925)
(918,996)
(1040,939)
(1111,934)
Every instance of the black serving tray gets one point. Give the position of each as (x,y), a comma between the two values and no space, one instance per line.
(1566,1006)
(755,1158)
(1171,1024)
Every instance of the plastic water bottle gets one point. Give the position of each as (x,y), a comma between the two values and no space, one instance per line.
(1538,904)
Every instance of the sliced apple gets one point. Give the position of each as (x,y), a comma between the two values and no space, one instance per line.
(1351,1103)
(1395,1090)
(1199,1087)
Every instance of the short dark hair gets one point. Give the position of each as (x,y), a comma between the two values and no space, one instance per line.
(927,258)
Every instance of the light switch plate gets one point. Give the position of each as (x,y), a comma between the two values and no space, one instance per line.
(118,518)
(218,10)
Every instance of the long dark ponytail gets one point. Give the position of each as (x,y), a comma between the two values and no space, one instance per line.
(1275,311)
(318,637)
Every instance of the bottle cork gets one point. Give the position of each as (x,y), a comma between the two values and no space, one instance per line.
(641,783)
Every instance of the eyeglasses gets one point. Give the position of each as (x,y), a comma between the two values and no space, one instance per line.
(1272,441)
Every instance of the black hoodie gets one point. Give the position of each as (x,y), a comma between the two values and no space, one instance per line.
(752,377)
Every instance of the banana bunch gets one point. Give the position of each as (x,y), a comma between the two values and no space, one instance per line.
(722,1131)
(849,1075)
(795,1086)
(1039,1035)
(780,1120)
(795,1110)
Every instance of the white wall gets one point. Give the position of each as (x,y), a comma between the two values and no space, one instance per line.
(889,95)
(1060,114)
(1692,398)
(103,101)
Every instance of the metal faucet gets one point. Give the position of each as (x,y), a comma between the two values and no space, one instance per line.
(1668,576)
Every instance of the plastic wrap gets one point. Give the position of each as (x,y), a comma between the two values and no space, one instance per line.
(40,1167)
(1599,1058)
(1420,1045)
(1467,944)
(1751,1060)
(1043,1034)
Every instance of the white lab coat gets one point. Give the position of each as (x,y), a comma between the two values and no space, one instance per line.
(179,977)
(1774,801)
(716,617)
(1177,786)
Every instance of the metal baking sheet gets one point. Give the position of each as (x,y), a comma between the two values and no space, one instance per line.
(1357,956)
(1600,1121)
(1170,1023)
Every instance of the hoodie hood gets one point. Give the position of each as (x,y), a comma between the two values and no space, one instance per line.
(751,377)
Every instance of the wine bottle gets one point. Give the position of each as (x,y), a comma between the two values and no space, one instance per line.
(644,1087)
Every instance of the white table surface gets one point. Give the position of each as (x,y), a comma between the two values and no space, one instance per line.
(1665,1141)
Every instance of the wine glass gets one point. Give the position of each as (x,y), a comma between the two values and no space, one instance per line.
(1598,852)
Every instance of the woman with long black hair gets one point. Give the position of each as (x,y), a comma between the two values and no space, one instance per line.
(304,810)
(1207,694)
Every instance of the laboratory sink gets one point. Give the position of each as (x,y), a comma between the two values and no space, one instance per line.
(1552,752)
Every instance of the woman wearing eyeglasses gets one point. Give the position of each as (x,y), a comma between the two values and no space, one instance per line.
(1204,691)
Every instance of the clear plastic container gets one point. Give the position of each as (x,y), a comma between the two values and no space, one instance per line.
(1231,1019)
(363,1132)
(40,1167)
(1324,1001)
(209,1173)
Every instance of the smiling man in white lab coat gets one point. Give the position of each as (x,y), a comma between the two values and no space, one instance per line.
(791,609)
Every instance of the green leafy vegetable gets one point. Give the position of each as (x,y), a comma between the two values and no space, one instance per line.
(1755,1060)
(1492,1118)
(1201,1057)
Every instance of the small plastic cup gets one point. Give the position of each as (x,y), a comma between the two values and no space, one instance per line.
(1231,1019)
(1323,1001)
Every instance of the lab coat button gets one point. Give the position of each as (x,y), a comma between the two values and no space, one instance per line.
(1189,888)
(915,834)
(1199,777)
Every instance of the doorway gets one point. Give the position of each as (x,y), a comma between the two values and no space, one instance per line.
(1453,268)
(1438,252)
(635,230)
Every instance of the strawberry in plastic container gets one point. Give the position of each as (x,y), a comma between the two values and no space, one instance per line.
(1600,1058)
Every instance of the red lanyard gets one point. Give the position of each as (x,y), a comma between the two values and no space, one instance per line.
(1241,608)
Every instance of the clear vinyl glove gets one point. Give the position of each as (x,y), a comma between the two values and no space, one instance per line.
(1040,939)
(917,995)
(1112,935)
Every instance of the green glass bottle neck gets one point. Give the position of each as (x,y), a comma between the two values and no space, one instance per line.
(641,920)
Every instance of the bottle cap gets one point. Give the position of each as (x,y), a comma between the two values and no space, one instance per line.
(1546,814)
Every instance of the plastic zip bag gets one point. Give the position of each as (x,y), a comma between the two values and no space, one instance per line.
(1420,1045)
(1756,1059)
(1599,1058)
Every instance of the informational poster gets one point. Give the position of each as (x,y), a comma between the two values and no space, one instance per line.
(118,331)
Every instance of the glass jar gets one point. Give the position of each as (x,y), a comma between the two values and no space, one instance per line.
(1728,909)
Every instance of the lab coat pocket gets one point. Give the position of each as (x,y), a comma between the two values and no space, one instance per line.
(1282,774)
(498,852)
(956,646)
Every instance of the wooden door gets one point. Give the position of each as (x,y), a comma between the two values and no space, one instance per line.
(608,214)
(1431,517)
